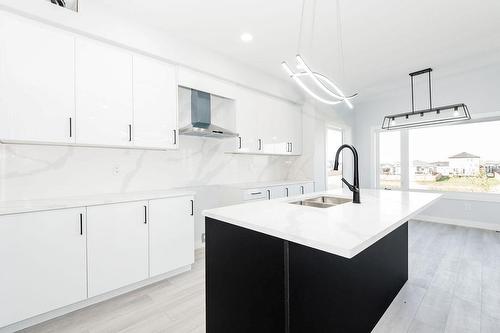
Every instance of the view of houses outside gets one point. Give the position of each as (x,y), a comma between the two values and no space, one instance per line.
(460,158)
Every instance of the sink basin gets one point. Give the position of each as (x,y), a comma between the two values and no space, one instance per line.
(322,202)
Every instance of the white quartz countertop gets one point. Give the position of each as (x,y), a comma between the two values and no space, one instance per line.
(244,186)
(343,230)
(25,206)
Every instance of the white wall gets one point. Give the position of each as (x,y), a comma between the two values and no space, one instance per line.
(478,88)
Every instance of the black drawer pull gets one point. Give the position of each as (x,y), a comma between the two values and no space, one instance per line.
(145,214)
(192,207)
(81,224)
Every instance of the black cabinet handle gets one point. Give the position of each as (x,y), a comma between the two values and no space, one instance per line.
(192,207)
(268,194)
(302,189)
(286,189)
(145,214)
(175,137)
(260,144)
(239,146)
(129,132)
(70,127)
(81,224)
(291,147)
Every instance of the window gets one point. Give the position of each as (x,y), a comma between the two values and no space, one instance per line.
(390,160)
(460,158)
(333,142)
(457,158)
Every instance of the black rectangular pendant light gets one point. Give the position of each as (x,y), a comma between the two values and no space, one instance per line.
(427,117)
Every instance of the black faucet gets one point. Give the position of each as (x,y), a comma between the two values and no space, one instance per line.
(355,187)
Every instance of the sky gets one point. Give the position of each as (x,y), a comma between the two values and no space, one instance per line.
(433,144)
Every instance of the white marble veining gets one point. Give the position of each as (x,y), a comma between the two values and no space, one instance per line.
(344,230)
(25,206)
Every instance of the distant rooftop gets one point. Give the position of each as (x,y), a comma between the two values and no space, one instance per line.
(464,155)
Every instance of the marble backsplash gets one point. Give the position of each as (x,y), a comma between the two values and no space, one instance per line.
(36,171)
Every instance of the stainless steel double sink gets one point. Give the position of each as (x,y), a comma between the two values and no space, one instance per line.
(321,202)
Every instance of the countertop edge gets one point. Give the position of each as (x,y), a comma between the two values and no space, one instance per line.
(84,201)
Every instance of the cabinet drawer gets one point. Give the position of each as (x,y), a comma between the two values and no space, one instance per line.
(255,193)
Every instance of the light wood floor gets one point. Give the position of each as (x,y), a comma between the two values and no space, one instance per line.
(454,286)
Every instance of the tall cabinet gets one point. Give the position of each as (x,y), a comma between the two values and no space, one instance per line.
(37,99)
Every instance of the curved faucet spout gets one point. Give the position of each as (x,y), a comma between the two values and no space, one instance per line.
(354,187)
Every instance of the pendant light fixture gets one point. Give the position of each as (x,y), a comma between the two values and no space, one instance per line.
(427,117)
(330,93)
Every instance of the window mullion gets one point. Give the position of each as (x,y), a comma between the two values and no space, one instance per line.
(405,160)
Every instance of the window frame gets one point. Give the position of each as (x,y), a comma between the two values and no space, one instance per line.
(405,163)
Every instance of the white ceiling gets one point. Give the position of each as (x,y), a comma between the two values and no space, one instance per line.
(383,40)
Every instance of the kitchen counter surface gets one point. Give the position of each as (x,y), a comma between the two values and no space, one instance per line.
(343,230)
(25,206)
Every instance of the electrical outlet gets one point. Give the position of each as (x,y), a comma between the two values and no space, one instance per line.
(203,237)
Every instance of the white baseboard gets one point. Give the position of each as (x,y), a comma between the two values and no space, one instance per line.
(90,301)
(459,222)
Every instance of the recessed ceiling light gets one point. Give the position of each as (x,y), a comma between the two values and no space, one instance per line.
(246,37)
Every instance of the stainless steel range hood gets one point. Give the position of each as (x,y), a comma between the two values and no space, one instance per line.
(201,124)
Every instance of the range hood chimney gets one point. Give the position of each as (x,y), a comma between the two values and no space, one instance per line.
(201,124)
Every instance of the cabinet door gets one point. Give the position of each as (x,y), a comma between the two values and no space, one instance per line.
(295,113)
(293,190)
(36,82)
(43,263)
(155,104)
(117,245)
(171,234)
(307,188)
(276,192)
(103,94)
(247,123)
(289,129)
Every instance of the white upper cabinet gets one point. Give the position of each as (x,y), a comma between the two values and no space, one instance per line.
(267,125)
(117,245)
(42,258)
(104,102)
(155,104)
(36,82)
(247,123)
(171,234)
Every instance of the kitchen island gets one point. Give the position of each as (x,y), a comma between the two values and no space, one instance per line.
(299,265)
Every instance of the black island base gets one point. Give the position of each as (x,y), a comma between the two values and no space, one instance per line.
(258,283)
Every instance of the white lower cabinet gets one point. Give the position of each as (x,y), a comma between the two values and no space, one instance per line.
(293,190)
(171,234)
(275,192)
(117,245)
(42,256)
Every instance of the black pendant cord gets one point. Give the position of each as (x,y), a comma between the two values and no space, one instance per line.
(412,96)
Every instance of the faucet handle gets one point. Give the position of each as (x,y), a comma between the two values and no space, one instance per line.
(351,187)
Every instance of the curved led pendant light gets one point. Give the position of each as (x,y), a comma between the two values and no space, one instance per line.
(335,95)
